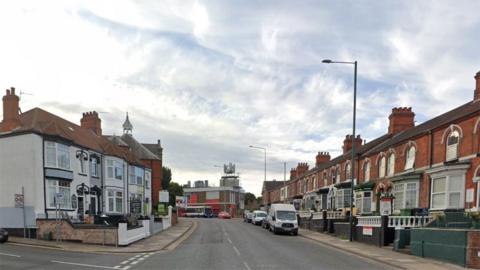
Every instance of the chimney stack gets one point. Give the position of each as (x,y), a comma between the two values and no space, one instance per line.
(293,173)
(90,120)
(302,168)
(401,118)
(322,157)
(347,143)
(11,116)
(476,94)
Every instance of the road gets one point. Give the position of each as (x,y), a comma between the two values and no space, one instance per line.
(216,244)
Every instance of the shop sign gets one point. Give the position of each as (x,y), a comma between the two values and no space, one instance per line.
(367,231)
(386,206)
(19,200)
(163,196)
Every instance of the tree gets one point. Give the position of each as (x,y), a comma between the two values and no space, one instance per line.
(249,198)
(174,189)
(166,177)
(259,200)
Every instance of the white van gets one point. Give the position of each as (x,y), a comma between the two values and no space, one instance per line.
(282,218)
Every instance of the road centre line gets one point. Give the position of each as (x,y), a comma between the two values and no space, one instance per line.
(86,265)
(246,265)
(230,241)
(10,255)
(236,250)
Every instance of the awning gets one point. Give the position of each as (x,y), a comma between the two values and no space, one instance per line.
(343,185)
(407,177)
(365,186)
(323,190)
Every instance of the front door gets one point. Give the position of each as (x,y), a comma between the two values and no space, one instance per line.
(93,205)
(81,207)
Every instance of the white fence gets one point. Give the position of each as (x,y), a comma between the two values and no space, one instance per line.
(305,214)
(317,215)
(335,215)
(126,237)
(408,221)
(369,221)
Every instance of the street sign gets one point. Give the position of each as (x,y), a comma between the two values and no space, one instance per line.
(19,201)
(163,196)
(58,198)
(180,201)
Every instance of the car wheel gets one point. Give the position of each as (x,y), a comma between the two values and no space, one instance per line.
(275,230)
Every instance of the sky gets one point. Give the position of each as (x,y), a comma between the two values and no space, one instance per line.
(210,78)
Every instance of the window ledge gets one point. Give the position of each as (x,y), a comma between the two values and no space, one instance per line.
(83,174)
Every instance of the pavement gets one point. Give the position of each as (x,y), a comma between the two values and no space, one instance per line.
(384,255)
(160,241)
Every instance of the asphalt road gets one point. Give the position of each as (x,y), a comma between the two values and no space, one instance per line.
(216,244)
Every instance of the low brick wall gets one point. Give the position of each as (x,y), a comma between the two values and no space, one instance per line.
(88,234)
(473,249)
(342,229)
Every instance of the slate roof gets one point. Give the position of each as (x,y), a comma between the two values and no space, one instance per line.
(272,185)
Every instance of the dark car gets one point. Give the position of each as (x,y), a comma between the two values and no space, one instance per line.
(3,235)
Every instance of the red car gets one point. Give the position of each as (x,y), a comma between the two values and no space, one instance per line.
(224,214)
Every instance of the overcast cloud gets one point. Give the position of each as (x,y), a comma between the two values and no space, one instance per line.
(210,78)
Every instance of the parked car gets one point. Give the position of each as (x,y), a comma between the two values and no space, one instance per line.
(245,213)
(258,217)
(3,235)
(249,217)
(283,218)
(224,215)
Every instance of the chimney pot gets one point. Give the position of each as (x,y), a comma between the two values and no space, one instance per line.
(90,120)
(11,116)
(401,118)
(476,94)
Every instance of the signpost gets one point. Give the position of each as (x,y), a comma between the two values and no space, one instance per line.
(58,200)
(20,203)
(163,196)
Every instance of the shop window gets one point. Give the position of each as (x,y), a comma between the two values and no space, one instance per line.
(410,158)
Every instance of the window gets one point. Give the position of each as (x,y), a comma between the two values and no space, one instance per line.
(363,202)
(131,175)
(410,159)
(115,201)
(139,174)
(118,171)
(452,145)
(110,168)
(381,168)
(337,176)
(348,171)
(447,192)
(391,165)
(60,187)
(57,155)
(314,183)
(82,161)
(94,166)
(406,195)
(343,198)
(366,171)
(325,179)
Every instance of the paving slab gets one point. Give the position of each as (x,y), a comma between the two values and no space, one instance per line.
(157,242)
(381,254)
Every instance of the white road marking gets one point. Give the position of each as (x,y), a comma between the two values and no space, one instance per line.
(124,262)
(126,267)
(86,265)
(236,250)
(11,255)
(246,265)
(230,241)
(135,262)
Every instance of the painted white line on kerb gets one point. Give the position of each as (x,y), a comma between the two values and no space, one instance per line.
(246,265)
(10,255)
(86,265)
(230,241)
(236,250)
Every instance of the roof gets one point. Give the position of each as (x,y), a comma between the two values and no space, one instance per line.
(47,124)
(271,185)
(155,148)
(137,148)
(437,122)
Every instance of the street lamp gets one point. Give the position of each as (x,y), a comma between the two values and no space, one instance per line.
(328,61)
(265,152)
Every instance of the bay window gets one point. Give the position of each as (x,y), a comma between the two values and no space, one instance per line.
(381,168)
(59,187)
(57,155)
(115,201)
(94,167)
(410,158)
(114,169)
(406,195)
(139,174)
(343,198)
(447,192)
(452,145)
(363,202)
(131,175)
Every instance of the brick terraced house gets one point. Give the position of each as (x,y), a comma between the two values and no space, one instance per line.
(434,165)
(68,167)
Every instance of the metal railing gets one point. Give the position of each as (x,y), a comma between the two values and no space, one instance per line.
(369,221)
(408,221)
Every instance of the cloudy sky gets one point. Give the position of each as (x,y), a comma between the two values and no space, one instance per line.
(210,78)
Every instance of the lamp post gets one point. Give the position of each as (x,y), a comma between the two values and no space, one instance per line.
(328,61)
(265,152)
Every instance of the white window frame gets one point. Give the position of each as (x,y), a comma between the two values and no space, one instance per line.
(360,200)
(451,151)
(58,150)
(447,192)
(404,194)
(65,188)
(94,166)
(410,158)
(381,167)
(82,164)
(391,164)
(148,178)
(114,196)
(366,172)
(139,175)
(342,198)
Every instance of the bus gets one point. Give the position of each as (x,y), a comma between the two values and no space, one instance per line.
(198,211)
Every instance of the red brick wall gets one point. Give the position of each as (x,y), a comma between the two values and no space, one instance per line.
(157,176)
